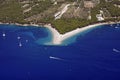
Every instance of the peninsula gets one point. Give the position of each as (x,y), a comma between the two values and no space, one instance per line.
(63,15)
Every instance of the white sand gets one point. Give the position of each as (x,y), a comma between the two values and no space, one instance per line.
(58,38)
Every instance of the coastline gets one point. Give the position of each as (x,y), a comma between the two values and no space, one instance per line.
(26,24)
(57,37)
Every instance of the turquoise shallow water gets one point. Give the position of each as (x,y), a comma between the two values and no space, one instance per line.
(90,55)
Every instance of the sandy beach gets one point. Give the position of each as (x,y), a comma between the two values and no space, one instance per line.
(58,38)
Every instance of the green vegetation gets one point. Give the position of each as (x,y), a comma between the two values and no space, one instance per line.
(38,7)
(13,11)
(114,11)
(66,25)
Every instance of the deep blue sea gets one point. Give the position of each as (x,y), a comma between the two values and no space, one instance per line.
(93,55)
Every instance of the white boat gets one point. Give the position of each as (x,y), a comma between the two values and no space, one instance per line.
(56,58)
(26,41)
(20,44)
(115,50)
(18,37)
(3,34)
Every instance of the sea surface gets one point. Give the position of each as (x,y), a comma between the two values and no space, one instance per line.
(91,55)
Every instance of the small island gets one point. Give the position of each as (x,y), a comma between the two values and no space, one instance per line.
(63,15)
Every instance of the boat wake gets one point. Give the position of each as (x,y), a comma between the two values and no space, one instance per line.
(116,50)
(56,58)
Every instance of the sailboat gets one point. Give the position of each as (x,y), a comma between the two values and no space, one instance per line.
(20,44)
(3,34)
